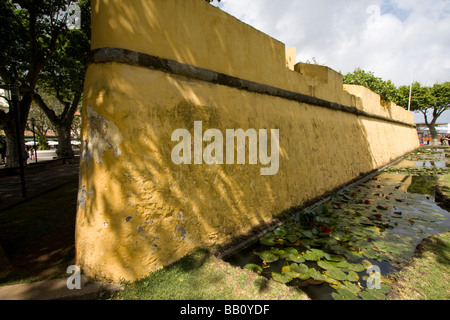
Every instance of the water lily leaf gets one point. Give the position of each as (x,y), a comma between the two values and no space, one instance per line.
(308,234)
(336,274)
(267,256)
(281,277)
(343,264)
(280,232)
(347,294)
(277,251)
(288,251)
(296,258)
(292,238)
(370,253)
(254,268)
(333,257)
(372,295)
(305,276)
(318,252)
(314,282)
(327,241)
(311,255)
(350,286)
(357,267)
(325,265)
(300,268)
(316,275)
(289,272)
(268,240)
(307,243)
(385,288)
(366,263)
(352,276)
(333,282)
(336,296)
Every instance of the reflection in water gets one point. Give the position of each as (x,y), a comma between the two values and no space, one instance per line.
(430,164)
(421,184)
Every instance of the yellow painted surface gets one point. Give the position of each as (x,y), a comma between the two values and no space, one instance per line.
(137,210)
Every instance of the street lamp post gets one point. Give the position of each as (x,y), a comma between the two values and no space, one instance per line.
(33,123)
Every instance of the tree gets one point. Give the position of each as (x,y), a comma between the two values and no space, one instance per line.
(63,78)
(424,99)
(30,32)
(386,89)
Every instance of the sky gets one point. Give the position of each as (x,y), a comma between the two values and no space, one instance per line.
(397,40)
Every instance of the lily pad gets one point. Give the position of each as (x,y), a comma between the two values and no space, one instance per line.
(268,240)
(336,274)
(314,254)
(357,267)
(316,275)
(325,265)
(296,258)
(333,257)
(287,251)
(267,256)
(282,277)
(280,232)
(344,294)
(370,253)
(350,286)
(352,276)
(300,268)
(372,295)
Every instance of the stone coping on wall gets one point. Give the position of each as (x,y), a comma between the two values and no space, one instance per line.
(124,56)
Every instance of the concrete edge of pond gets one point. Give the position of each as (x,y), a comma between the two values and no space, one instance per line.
(253,237)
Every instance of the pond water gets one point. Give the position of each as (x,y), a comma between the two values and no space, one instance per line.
(332,250)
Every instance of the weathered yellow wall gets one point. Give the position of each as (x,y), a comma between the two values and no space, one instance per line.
(137,210)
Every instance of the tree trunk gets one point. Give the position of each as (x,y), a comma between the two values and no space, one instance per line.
(12,155)
(64,150)
(434,134)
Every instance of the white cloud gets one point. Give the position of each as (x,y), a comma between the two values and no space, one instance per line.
(389,37)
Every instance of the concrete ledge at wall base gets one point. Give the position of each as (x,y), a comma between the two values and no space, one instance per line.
(57,290)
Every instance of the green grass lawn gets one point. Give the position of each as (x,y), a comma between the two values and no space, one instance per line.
(201,276)
(427,276)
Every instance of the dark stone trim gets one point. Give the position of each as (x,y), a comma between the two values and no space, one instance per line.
(106,55)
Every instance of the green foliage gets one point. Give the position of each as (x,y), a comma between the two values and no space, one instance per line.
(29,33)
(423,99)
(43,142)
(386,89)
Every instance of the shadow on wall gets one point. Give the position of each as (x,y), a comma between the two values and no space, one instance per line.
(137,210)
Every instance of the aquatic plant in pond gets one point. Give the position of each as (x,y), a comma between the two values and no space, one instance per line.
(378,223)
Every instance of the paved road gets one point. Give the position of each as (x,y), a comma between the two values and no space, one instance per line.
(38,179)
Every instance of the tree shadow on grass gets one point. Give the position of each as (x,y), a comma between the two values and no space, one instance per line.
(437,246)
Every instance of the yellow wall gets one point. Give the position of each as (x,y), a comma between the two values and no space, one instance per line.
(137,210)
